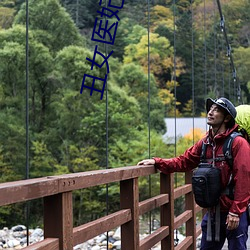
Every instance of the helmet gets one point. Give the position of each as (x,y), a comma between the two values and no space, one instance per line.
(223,103)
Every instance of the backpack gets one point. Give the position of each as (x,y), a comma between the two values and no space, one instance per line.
(243,120)
(206,179)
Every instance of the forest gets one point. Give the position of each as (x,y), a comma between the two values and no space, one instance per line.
(167,58)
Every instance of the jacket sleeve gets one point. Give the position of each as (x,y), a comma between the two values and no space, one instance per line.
(241,175)
(185,162)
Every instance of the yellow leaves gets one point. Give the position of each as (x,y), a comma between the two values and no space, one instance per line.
(161,16)
(172,84)
(166,96)
(6,17)
(160,53)
(195,134)
(188,107)
(161,12)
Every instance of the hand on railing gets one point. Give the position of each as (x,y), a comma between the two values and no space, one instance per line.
(146,162)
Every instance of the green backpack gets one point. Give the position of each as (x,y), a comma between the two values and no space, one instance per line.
(243,120)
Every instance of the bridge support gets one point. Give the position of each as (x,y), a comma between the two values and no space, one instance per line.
(167,210)
(58,219)
(130,199)
(190,205)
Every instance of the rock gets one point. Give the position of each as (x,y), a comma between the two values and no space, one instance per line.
(100,238)
(111,233)
(38,232)
(117,244)
(117,234)
(111,240)
(3,233)
(18,228)
(13,243)
(95,248)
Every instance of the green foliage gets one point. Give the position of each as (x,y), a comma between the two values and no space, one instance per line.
(242,63)
(132,78)
(42,162)
(53,25)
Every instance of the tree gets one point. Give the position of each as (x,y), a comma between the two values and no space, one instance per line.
(132,78)
(161,59)
(53,25)
(242,64)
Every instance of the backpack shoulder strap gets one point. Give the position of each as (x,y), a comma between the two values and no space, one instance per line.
(227,148)
(203,152)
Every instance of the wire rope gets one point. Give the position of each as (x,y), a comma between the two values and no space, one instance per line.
(175,95)
(215,52)
(27,207)
(205,49)
(236,83)
(149,120)
(107,129)
(192,73)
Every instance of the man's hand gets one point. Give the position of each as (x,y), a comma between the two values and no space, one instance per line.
(232,221)
(146,162)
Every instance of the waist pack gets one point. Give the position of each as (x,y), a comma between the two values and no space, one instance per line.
(206,185)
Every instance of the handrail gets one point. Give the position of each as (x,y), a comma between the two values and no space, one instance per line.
(58,208)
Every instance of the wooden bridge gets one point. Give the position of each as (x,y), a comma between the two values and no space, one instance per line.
(56,192)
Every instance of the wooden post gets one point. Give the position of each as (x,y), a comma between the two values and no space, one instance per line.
(129,198)
(58,219)
(190,205)
(167,210)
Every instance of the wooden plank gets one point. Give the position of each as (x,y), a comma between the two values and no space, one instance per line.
(129,196)
(99,177)
(46,244)
(198,231)
(152,203)
(167,210)
(154,238)
(90,230)
(198,209)
(24,190)
(178,192)
(58,219)
(182,218)
(185,244)
(190,205)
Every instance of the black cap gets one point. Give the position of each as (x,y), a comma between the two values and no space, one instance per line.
(223,103)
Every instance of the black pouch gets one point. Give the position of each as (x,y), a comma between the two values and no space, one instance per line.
(206,183)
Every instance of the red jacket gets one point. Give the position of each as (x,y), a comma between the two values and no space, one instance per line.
(241,167)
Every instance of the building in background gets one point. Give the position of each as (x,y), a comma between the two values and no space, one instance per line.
(179,127)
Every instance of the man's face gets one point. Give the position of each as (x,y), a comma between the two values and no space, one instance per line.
(215,116)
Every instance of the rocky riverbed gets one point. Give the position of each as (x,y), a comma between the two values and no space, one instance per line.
(16,238)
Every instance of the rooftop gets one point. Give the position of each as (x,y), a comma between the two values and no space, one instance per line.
(178,127)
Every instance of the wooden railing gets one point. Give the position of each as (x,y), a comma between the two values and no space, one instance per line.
(59,232)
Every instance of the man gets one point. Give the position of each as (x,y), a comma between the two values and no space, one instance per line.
(221,115)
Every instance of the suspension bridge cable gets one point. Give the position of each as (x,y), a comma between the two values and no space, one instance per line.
(149,120)
(205,49)
(107,128)
(215,52)
(175,95)
(27,207)
(192,73)
(221,68)
(229,53)
(174,71)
